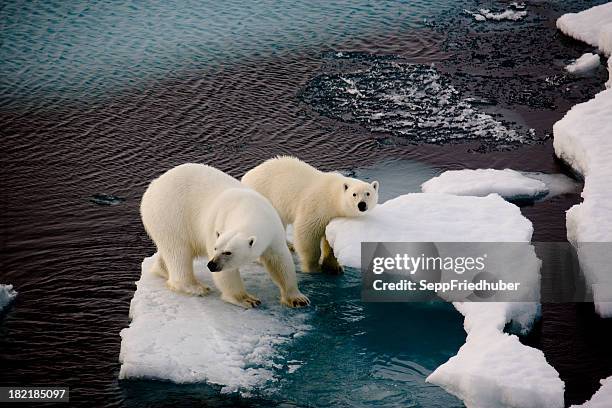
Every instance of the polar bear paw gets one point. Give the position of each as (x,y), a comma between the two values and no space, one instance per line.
(193,289)
(296,300)
(331,267)
(245,300)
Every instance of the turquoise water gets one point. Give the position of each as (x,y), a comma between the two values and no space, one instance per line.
(368,354)
(83,49)
(356,354)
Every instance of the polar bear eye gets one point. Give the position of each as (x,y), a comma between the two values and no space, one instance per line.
(227,253)
(368,194)
(354,194)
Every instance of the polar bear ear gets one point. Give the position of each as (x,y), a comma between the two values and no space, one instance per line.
(251,241)
(345,186)
(375,185)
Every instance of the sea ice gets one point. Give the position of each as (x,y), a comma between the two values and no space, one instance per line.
(592,26)
(188,339)
(7,294)
(508,183)
(586,63)
(492,369)
(583,139)
(409,101)
(486,14)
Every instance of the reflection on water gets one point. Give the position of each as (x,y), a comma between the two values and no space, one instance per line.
(396,177)
(84,49)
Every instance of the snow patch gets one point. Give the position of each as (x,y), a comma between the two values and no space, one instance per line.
(7,295)
(586,63)
(492,369)
(602,398)
(508,183)
(187,339)
(583,138)
(592,26)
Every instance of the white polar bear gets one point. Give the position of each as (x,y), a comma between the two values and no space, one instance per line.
(309,199)
(195,210)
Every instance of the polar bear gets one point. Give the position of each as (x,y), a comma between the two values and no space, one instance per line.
(309,199)
(196,210)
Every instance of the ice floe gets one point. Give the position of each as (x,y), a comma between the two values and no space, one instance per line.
(7,295)
(188,339)
(492,369)
(508,183)
(583,139)
(586,63)
(602,398)
(592,26)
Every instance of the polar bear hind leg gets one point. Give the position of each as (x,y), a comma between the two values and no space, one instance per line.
(180,274)
(159,267)
(330,264)
(232,289)
(307,242)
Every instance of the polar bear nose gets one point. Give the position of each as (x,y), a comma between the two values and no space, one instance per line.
(212,266)
(362,206)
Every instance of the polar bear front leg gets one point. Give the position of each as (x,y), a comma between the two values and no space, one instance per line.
(330,263)
(179,266)
(307,241)
(232,289)
(279,264)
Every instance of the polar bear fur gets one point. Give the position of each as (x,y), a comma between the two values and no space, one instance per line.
(309,199)
(195,210)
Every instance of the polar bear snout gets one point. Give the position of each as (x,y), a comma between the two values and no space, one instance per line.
(213,266)
(362,206)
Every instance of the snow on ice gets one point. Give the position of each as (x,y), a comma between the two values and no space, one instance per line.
(492,368)
(583,139)
(592,26)
(188,339)
(586,63)
(508,183)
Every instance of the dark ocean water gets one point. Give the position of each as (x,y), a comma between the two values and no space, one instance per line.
(99,99)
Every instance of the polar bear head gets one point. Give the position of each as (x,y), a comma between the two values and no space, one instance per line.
(358,197)
(232,250)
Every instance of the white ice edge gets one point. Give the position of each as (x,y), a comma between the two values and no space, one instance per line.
(586,63)
(481,182)
(7,295)
(602,398)
(492,369)
(510,184)
(592,26)
(583,139)
(187,339)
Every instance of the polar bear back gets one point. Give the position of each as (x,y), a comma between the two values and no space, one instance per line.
(288,181)
(176,200)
